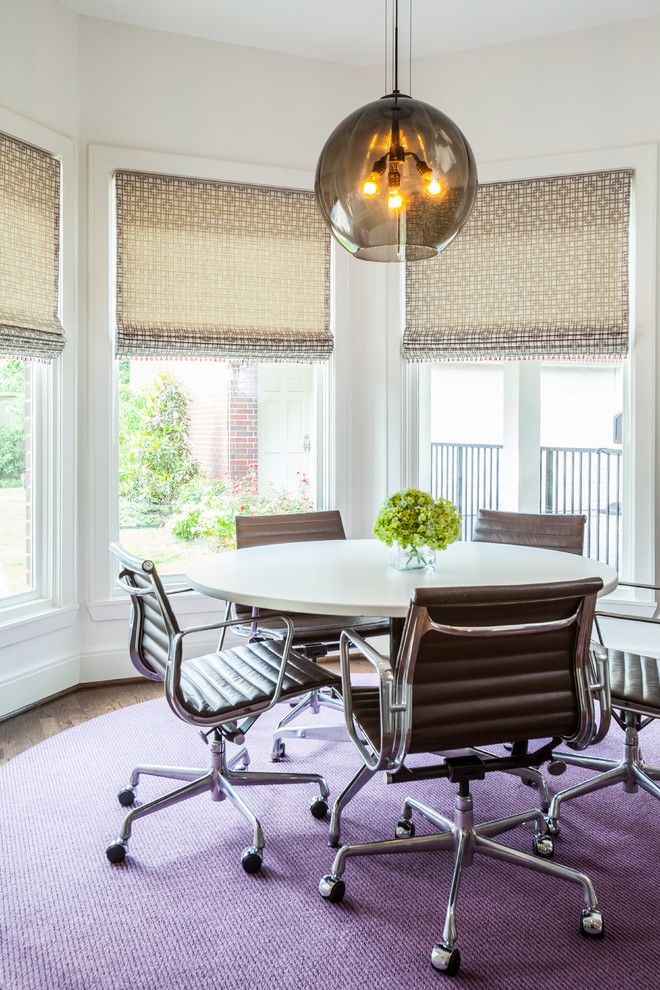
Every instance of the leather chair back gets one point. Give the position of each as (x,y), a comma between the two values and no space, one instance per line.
(496,665)
(295,527)
(153,623)
(546,531)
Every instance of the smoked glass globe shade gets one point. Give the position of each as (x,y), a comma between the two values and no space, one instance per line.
(396,180)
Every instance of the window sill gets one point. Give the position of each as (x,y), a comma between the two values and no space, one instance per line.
(40,618)
(191,602)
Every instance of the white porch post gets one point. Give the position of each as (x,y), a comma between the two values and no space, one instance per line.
(521,457)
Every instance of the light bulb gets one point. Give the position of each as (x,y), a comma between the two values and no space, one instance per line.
(395,200)
(434,187)
(369,187)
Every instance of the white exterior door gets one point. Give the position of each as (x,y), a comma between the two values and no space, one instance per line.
(286,425)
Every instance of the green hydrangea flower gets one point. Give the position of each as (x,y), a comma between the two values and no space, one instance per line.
(413,518)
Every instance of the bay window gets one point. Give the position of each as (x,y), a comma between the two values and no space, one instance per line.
(222,336)
(519,334)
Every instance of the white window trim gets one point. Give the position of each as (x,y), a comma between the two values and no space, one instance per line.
(55,410)
(102,488)
(409,388)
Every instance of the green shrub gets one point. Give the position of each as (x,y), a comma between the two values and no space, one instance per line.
(155,462)
(12,456)
(210,515)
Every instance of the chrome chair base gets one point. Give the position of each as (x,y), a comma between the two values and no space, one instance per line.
(224,776)
(631,771)
(465,839)
(529,776)
(313,701)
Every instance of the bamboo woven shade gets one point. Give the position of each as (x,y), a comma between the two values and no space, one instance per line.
(215,270)
(540,270)
(30,327)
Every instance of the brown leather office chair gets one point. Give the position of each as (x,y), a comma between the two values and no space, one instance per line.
(477,667)
(313,635)
(223,693)
(635,703)
(545,531)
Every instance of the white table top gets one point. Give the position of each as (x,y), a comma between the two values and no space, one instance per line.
(352,577)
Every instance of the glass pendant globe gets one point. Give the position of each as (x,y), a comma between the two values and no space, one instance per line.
(396,180)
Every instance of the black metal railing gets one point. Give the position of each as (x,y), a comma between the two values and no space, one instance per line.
(468,474)
(587,480)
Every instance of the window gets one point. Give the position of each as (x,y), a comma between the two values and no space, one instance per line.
(563,423)
(17,554)
(36,304)
(539,279)
(581,434)
(202,441)
(235,430)
(466,433)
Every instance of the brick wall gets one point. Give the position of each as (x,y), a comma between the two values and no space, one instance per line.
(242,424)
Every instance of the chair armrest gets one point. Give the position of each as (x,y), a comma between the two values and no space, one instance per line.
(644,587)
(628,618)
(599,685)
(383,668)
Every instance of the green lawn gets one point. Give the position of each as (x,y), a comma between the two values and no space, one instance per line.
(13,532)
(157,543)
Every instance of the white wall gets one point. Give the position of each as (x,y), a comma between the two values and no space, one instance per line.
(150,90)
(39,63)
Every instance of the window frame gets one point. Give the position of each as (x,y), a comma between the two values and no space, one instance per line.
(640,535)
(103,398)
(54,409)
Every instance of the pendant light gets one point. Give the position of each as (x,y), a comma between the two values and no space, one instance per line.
(396,180)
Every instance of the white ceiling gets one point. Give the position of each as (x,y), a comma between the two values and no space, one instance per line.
(352,31)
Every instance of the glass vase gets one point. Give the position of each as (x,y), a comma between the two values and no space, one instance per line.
(411,558)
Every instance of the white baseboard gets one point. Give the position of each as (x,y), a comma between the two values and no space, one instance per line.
(43,680)
(20,691)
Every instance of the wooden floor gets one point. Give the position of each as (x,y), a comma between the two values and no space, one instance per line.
(25,730)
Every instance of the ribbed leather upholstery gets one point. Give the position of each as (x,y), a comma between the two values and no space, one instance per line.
(245,676)
(295,527)
(216,683)
(301,527)
(545,531)
(634,681)
(471,690)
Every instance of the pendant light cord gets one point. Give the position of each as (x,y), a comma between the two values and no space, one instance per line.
(396,46)
(410,29)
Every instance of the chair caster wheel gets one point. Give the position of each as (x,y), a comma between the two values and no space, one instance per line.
(553,826)
(447,960)
(543,846)
(592,924)
(116,851)
(126,797)
(279,752)
(251,859)
(556,768)
(405,829)
(332,888)
(318,807)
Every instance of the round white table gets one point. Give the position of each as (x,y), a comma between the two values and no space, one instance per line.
(352,577)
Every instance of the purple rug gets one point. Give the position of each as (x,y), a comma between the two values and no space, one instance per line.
(182,915)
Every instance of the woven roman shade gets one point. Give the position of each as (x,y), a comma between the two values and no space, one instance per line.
(216,270)
(540,270)
(29,252)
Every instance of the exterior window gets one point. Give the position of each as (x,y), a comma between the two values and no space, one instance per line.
(203,441)
(561,436)
(466,417)
(17,563)
(582,450)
